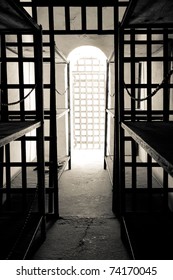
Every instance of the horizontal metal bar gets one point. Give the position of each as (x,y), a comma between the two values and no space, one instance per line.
(140,164)
(75,3)
(16,59)
(17,86)
(146,31)
(79,32)
(145,58)
(146,190)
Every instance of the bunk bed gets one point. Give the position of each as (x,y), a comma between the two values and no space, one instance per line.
(53,114)
(146,215)
(148,14)
(22,209)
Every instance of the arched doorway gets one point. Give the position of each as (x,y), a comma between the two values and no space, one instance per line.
(88,70)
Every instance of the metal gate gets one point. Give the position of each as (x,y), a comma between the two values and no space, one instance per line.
(88,103)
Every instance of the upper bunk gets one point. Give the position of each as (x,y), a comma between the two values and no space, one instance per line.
(147,13)
(14,18)
(11,131)
(155,137)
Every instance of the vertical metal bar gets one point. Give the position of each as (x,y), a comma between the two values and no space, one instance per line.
(1,149)
(51,181)
(0,81)
(165,191)
(4,99)
(166,100)
(53,116)
(133,72)
(133,113)
(2,174)
(149,111)
(166,68)
(4,116)
(118,108)
(8,174)
(121,140)
(99,18)
(139,83)
(69,113)
(149,104)
(106,114)
(4,89)
(40,131)
(67,18)
(149,73)
(51,162)
(22,117)
(34,11)
(21,76)
(84,18)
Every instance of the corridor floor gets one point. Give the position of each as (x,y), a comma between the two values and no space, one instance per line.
(87,228)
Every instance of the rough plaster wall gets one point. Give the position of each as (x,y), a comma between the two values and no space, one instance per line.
(67,43)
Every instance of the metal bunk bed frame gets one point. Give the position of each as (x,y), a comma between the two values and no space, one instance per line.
(146,217)
(22,208)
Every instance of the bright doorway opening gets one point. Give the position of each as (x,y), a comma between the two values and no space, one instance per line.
(88,74)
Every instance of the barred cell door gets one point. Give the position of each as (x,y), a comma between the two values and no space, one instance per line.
(88,102)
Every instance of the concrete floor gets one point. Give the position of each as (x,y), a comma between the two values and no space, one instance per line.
(87,228)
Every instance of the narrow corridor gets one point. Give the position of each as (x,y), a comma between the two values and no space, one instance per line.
(87,228)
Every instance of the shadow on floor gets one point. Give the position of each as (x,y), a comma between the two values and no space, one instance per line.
(87,228)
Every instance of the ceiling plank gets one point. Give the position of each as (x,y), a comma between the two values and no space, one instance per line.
(147,13)
(14,17)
